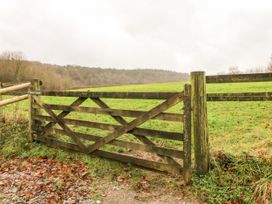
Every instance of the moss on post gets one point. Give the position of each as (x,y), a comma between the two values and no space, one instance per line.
(187,134)
(35,87)
(200,123)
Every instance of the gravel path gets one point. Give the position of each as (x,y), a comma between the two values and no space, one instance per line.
(121,194)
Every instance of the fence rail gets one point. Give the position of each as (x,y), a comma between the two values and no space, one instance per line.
(13,100)
(121,95)
(258,96)
(13,88)
(237,78)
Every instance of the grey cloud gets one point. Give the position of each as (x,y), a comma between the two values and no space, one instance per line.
(177,35)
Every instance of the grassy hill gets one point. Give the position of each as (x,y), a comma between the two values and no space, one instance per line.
(73,76)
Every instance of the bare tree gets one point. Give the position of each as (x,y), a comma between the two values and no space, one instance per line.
(256,70)
(14,61)
(220,73)
(269,67)
(234,70)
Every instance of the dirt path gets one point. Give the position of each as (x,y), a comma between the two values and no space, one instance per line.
(41,180)
(122,195)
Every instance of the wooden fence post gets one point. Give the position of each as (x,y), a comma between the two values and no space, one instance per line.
(1,97)
(200,122)
(187,134)
(35,87)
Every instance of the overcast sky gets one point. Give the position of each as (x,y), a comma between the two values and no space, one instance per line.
(179,35)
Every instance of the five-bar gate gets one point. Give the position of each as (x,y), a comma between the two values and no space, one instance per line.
(51,126)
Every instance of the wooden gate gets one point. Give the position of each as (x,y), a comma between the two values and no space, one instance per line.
(49,124)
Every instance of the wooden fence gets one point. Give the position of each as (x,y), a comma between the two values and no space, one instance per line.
(49,127)
(199,107)
(9,89)
(239,78)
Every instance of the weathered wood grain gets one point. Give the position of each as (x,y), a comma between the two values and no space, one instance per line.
(122,95)
(64,113)
(1,86)
(138,121)
(129,145)
(116,112)
(142,138)
(187,135)
(35,86)
(17,93)
(237,78)
(258,96)
(61,123)
(109,127)
(14,88)
(127,127)
(111,155)
(13,100)
(200,122)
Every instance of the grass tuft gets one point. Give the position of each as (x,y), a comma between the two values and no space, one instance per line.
(233,179)
(263,190)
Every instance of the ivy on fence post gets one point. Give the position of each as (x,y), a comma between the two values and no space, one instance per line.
(200,122)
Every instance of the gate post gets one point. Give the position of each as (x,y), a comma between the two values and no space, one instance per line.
(35,87)
(200,122)
(1,110)
(187,134)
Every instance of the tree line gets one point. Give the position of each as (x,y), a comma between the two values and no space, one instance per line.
(15,68)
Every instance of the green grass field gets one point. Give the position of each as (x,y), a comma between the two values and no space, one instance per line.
(236,128)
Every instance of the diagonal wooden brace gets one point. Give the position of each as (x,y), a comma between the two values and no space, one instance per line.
(76,103)
(61,123)
(138,121)
(142,138)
